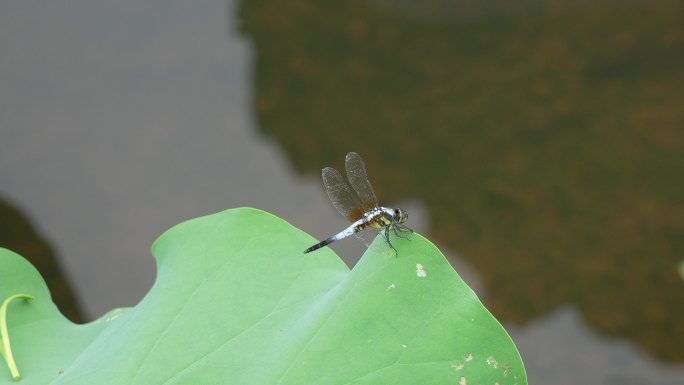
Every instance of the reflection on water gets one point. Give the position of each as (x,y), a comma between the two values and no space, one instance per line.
(18,234)
(545,144)
(538,143)
(576,354)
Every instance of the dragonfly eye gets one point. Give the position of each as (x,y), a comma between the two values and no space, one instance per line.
(400,215)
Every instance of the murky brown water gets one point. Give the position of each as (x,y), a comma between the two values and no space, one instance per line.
(541,142)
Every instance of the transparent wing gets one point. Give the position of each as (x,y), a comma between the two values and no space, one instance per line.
(341,196)
(367,236)
(356,173)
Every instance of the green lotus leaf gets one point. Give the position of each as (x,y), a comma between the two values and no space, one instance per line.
(236,302)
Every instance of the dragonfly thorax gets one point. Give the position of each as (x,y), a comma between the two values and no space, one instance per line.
(383,216)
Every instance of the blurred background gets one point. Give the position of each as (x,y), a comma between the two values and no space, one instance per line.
(539,145)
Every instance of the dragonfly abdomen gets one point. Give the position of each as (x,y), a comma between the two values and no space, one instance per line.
(354,228)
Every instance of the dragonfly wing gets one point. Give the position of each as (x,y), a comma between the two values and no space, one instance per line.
(367,236)
(341,196)
(356,173)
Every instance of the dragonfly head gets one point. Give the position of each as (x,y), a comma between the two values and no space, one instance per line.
(400,215)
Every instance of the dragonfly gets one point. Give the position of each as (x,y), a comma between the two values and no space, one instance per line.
(358,204)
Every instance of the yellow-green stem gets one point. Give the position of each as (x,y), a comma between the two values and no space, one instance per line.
(5,348)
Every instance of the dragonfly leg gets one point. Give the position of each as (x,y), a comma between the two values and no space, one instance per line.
(399,228)
(387,239)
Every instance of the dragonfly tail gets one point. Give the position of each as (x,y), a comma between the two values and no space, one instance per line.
(343,234)
(321,244)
